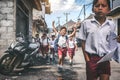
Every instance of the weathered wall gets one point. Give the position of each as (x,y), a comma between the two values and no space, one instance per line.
(7,23)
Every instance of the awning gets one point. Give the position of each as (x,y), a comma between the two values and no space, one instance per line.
(114,11)
(36,4)
(47,9)
(47,1)
(39,22)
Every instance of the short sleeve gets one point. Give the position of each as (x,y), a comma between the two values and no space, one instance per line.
(82,32)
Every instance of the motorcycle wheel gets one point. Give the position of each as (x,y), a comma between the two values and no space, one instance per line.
(5,64)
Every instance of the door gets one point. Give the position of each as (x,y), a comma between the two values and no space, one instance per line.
(22,19)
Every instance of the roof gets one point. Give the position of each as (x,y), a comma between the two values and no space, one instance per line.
(114,11)
(69,24)
(90,16)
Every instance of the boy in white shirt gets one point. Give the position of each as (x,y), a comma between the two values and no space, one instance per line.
(95,35)
(44,45)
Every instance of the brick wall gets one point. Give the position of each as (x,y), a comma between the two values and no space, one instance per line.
(8,22)
(7,29)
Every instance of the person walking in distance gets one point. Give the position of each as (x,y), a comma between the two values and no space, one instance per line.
(94,34)
(37,41)
(45,45)
(52,51)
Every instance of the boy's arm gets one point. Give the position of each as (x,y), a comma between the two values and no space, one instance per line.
(84,52)
(76,47)
(73,33)
(53,25)
(118,39)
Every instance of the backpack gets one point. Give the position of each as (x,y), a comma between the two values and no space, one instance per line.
(56,42)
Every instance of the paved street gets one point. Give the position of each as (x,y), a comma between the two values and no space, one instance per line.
(49,72)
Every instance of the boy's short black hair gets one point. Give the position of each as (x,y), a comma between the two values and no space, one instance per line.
(53,36)
(44,34)
(95,1)
(63,28)
(37,34)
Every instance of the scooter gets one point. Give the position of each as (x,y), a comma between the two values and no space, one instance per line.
(20,53)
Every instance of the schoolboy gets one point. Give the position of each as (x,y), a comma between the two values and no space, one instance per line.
(95,34)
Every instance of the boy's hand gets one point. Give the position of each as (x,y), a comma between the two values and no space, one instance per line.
(76,49)
(76,24)
(118,38)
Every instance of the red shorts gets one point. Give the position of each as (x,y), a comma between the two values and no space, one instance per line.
(71,51)
(94,70)
(62,51)
(52,51)
(45,48)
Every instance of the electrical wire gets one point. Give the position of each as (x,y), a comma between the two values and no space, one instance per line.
(89,4)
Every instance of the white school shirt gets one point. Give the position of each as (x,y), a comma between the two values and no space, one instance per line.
(71,43)
(52,43)
(62,42)
(96,36)
(45,41)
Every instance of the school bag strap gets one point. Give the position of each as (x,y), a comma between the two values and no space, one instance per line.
(56,42)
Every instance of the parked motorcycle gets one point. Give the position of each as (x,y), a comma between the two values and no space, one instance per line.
(20,53)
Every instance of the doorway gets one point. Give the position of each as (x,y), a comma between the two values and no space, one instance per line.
(22,19)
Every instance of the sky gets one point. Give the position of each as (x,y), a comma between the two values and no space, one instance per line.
(72,7)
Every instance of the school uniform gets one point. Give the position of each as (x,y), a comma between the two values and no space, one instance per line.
(62,45)
(45,44)
(71,47)
(97,45)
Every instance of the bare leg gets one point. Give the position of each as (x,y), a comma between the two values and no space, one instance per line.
(60,59)
(104,77)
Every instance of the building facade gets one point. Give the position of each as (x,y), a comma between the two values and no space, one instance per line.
(16,17)
(115,14)
(39,22)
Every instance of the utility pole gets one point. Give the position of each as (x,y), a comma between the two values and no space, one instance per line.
(44,16)
(84,11)
(66,14)
(59,20)
(58,23)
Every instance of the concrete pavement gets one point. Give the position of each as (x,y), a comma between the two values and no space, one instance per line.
(50,72)
(115,67)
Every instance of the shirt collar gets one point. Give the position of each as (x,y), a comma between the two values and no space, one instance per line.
(107,21)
